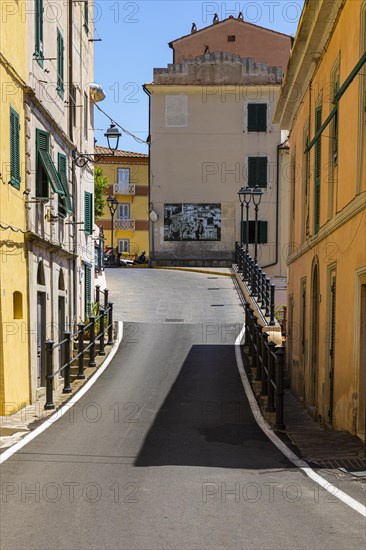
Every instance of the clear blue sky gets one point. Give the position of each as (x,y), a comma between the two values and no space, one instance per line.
(135,38)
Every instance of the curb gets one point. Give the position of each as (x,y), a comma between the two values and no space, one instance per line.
(193,270)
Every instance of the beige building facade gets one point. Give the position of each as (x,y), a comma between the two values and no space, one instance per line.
(211,133)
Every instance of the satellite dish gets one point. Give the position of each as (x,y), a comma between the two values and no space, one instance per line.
(153,216)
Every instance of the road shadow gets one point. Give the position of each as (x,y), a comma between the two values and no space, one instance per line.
(206,419)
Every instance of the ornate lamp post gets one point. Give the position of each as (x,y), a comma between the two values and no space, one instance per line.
(257,197)
(245,196)
(112,135)
(112,205)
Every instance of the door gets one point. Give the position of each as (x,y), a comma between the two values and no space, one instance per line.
(41,336)
(314,338)
(362,362)
(61,330)
(332,335)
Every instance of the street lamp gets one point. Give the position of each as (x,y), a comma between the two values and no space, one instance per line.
(112,205)
(245,196)
(113,134)
(257,197)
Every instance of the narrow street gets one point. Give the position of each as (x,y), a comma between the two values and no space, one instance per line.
(163,451)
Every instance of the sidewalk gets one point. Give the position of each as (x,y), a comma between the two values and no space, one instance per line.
(14,427)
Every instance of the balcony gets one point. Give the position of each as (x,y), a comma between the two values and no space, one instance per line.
(124,189)
(125,224)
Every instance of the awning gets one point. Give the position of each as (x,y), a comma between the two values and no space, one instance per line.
(51,172)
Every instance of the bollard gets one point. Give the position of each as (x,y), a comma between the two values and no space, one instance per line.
(67,385)
(264,388)
(271,369)
(280,362)
(106,294)
(81,375)
(110,324)
(49,376)
(272,317)
(92,362)
(268,295)
(101,332)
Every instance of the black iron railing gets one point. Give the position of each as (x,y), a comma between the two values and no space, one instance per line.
(94,332)
(259,285)
(268,364)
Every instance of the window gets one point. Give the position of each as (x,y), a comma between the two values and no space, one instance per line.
(123,175)
(231,38)
(88,276)
(257,117)
(86,120)
(64,202)
(305,183)
(88,213)
(262,232)
(257,171)
(73,104)
(14,149)
(46,172)
(17,305)
(176,111)
(123,212)
(334,140)
(123,246)
(317,169)
(60,64)
(39,31)
(86,16)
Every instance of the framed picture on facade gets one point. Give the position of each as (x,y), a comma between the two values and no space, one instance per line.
(192,222)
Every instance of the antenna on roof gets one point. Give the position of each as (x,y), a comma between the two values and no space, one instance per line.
(194,28)
(241,16)
(216,18)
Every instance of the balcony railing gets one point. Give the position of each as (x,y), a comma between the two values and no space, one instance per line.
(124,189)
(125,224)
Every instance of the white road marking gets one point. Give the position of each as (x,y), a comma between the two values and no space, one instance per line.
(298,462)
(65,408)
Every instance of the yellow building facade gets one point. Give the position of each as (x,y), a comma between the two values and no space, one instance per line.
(14,334)
(323,105)
(127,174)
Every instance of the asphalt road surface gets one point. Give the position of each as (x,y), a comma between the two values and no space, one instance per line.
(163,452)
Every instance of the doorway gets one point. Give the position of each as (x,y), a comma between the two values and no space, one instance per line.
(41,337)
(314,337)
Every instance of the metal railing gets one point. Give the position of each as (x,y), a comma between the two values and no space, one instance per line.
(125,224)
(124,189)
(261,289)
(96,331)
(268,363)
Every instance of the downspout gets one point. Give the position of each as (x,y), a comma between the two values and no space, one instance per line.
(151,224)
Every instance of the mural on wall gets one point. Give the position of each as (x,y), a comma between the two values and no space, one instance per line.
(192,222)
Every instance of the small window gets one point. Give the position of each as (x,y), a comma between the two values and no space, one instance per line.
(231,38)
(60,64)
(17,305)
(14,149)
(262,232)
(257,171)
(257,117)
(73,104)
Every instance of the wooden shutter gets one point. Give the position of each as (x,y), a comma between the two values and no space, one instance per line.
(252,117)
(87,290)
(257,117)
(14,149)
(317,170)
(86,17)
(262,232)
(65,205)
(60,64)
(257,171)
(88,213)
(42,144)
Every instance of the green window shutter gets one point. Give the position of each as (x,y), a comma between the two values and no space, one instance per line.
(87,290)
(39,31)
(317,170)
(65,204)
(88,213)
(257,171)
(60,64)
(257,117)
(86,17)
(262,232)
(14,149)
(42,144)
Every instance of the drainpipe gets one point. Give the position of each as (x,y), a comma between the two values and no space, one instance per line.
(151,224)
